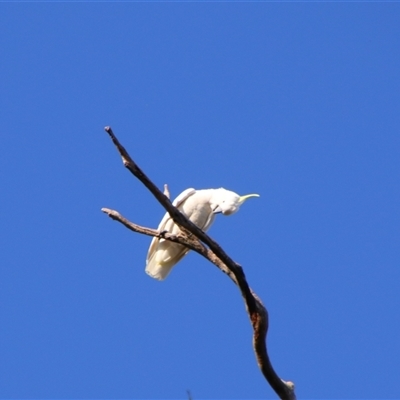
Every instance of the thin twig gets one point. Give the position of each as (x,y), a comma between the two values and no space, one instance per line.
(257,312)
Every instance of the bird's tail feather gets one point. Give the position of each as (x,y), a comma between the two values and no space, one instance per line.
(163,260)
(158,271)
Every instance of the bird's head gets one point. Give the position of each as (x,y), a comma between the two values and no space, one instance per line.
(227,202)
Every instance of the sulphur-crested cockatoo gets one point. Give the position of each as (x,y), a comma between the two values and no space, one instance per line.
(200,206)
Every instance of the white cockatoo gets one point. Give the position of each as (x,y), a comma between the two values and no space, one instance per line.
(200,206)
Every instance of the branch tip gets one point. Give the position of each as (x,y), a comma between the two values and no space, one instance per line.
(111,134)
(289,384)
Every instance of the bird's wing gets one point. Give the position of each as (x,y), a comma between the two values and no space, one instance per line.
(183,196)
(209,221)
(167,224)
(202,216)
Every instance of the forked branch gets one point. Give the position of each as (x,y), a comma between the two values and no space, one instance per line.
(192,237)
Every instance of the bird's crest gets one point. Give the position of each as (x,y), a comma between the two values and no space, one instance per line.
(242,199)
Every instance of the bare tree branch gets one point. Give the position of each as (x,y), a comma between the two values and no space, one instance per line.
(191,236)
(181,220)
(189,241)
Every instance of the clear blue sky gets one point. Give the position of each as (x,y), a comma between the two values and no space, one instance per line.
(299,102)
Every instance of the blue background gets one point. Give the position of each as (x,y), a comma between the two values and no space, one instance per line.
(299,102)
